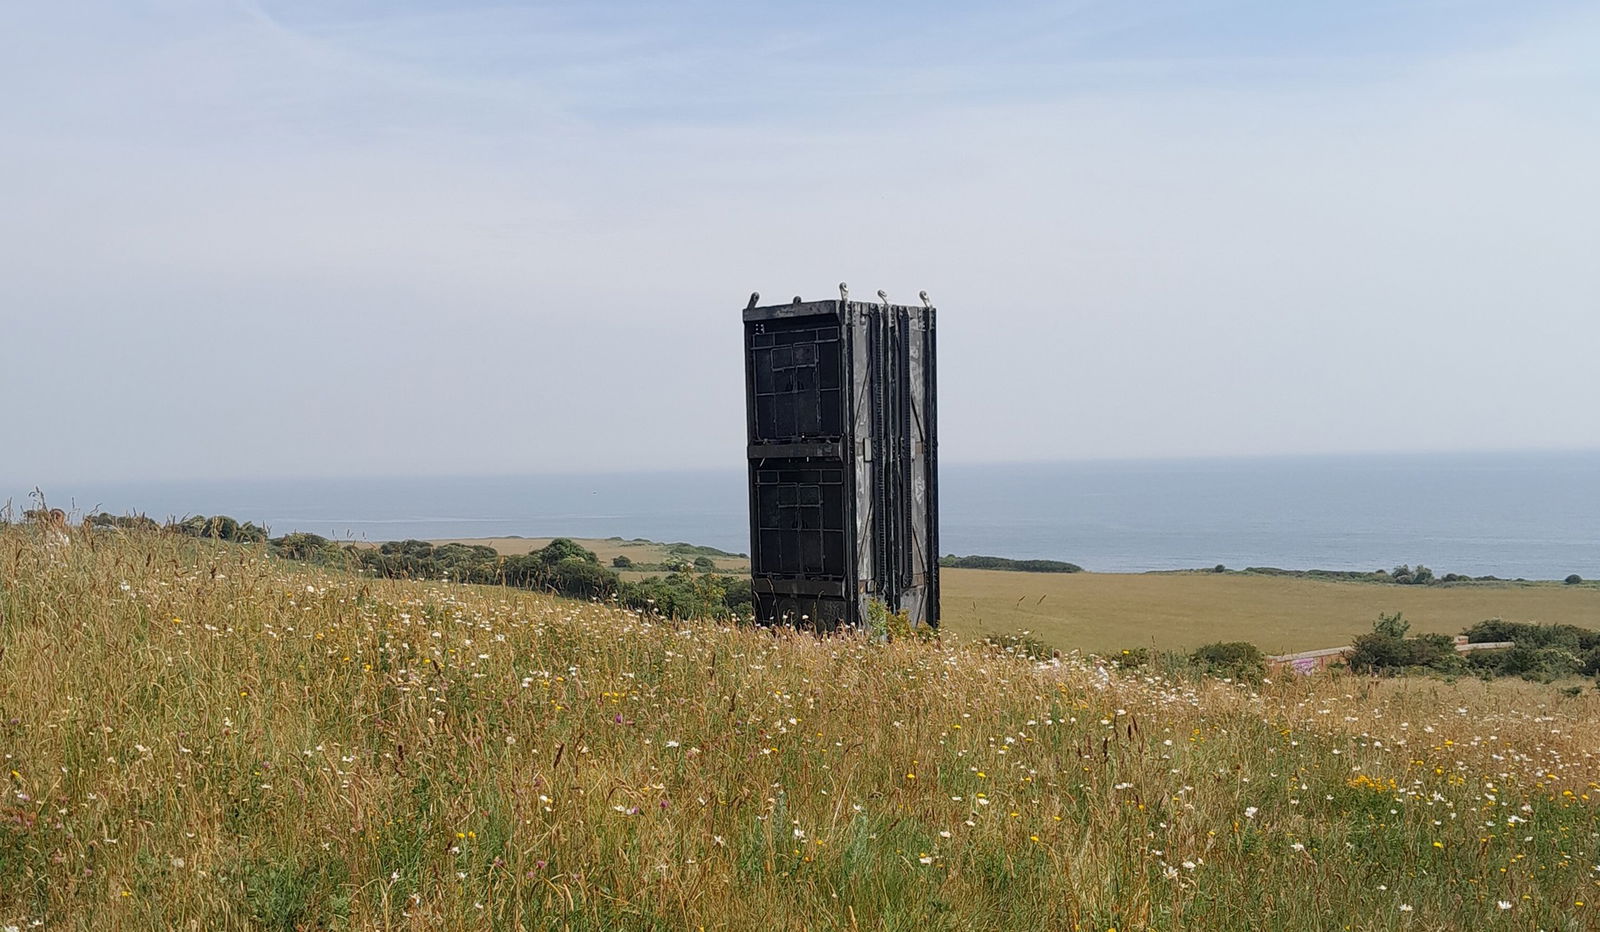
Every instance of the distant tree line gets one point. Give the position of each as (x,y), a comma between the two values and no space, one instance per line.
(1004,563)
(563,566)
(1404,575)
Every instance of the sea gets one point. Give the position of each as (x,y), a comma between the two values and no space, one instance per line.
(1512,515)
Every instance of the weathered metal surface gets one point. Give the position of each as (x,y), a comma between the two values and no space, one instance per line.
(843,459)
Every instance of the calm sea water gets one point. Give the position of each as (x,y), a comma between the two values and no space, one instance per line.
(1512,515)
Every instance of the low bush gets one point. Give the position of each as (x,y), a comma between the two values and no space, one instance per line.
(1542,652)
(1237,659)
(1134,658)
(1386,650)
(122,522)
(686,595)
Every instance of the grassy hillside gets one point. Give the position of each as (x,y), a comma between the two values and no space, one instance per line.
(198,736)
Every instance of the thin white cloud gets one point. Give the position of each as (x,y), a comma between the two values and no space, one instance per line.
(285,245)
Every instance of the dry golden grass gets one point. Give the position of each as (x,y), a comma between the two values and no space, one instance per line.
(199,736)
(1172,611)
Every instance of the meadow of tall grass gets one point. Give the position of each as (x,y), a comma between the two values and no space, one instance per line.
(198,736)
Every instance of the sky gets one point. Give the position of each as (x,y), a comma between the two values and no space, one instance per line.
(291,238)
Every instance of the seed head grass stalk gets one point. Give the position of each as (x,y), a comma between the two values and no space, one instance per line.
(197,735)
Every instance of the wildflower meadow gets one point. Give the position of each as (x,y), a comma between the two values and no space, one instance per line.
(197,735)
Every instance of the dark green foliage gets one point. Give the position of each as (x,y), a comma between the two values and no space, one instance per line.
(1219,568)
(526,571)
(1134,658)
(1238,659)
(1374,576)
(563,548)
(418,559)
(622,561)
(1378,653)
(1386,650)
(1003,563)
(1518,661)
(1573,580)
(1435,651)
(582,578)
(1406,576)
(123,522)
(311,547)
(1542,652)
(680,595)
(220,527)
(738,598)
(1394,626)
(1572,637)
(562,566)
(704,564)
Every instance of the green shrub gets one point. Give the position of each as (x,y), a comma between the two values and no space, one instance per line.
(738,596)
(1406,576)
(311,547)
(1133,658)
(622,561)
(1434,651)
(123,522)
(1394,626)
(1378,653)
(680,595)
(220,527)
(564,548)
(1387,650)
(1237,659)
(1576,639)
(1573,580)
(582,579)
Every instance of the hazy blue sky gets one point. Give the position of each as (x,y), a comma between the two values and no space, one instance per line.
(342,237)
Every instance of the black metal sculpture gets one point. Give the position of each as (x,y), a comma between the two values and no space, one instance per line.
(843,457)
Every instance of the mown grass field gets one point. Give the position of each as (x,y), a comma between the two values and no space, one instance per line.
(197,736)
(1180,611)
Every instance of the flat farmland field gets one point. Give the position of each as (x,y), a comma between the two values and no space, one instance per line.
(1100,612)
(1173,611)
